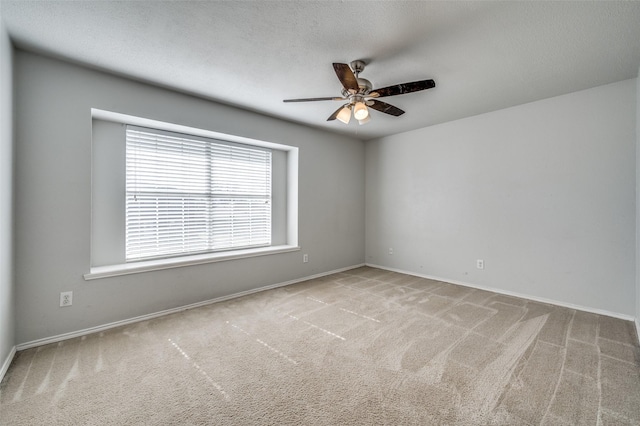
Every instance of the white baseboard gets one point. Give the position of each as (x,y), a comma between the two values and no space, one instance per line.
(638,327)
(91,330)
(7,363)
(515,294)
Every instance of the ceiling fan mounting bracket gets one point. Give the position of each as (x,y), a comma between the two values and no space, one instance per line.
(357,66)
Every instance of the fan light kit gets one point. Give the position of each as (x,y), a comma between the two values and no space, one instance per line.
(359,95)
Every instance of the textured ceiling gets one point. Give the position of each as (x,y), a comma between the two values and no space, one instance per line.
(483,56)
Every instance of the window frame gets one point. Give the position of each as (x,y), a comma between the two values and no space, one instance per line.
(288,228)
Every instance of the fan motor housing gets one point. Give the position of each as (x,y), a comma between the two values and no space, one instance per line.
(364,84)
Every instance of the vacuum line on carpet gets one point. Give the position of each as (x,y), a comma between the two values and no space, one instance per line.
(359,315)
(345,310)
(197,367)
(319,328)
(294,362)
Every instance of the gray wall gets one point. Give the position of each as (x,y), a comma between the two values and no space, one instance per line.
(7,313)
(53,199)
(544,193)
(638,205)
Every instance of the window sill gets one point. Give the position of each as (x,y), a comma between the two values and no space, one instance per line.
(178,262)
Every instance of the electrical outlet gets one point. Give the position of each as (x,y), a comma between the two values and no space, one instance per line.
(480,264)
(390,250)
(66,298)
(305,258)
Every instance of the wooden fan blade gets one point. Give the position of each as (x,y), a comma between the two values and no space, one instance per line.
(335,114)
(314,99)
(346,76)
(386,108)
(401,89)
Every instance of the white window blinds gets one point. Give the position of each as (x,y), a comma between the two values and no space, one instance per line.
(188,195)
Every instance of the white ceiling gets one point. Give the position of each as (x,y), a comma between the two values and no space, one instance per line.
(483,56)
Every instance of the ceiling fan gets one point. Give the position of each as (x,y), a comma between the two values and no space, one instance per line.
(359,94)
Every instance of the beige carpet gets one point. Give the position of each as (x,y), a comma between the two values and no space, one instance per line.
(362,347)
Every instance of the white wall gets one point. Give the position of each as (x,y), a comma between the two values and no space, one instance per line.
(544,193)
(7,313)
(53,199)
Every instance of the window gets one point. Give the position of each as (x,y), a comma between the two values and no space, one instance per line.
(188,195)
(165,195)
